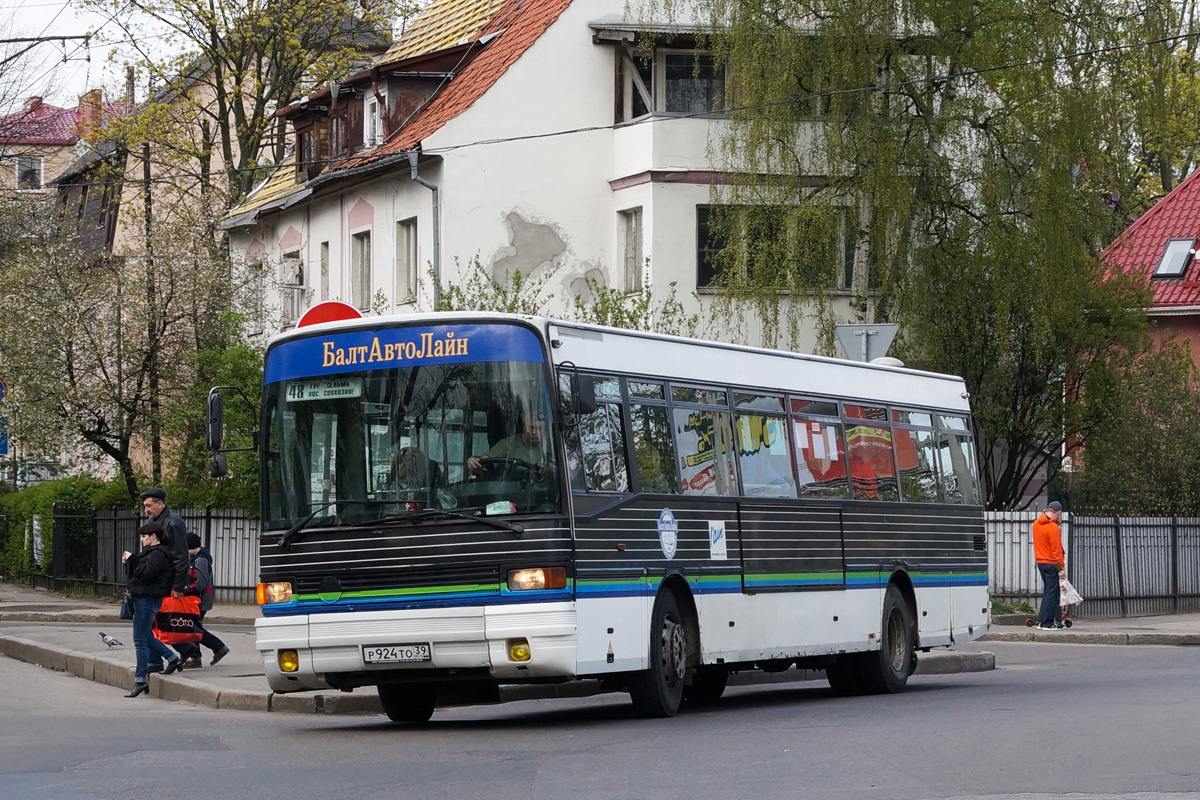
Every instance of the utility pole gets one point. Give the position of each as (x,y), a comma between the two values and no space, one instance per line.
(152,340)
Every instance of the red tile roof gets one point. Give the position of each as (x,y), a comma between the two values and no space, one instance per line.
(518,24)
(44,124)
(49,125)
(1140,247)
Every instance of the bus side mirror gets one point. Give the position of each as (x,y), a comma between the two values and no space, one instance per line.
(217,466)
(215,421)
(584,388)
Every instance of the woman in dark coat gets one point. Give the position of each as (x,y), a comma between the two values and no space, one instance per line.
(150,578)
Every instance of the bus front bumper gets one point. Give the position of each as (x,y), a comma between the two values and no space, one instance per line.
(329,647)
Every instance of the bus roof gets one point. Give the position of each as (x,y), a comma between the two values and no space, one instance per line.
(590,347)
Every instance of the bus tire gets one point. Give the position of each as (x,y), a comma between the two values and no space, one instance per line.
(658,690)
(407,703)
(708,684)
(887,671)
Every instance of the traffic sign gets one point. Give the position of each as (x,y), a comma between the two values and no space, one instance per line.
(866,342)
(3,436)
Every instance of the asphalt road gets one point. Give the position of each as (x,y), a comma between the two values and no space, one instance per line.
(1088,721)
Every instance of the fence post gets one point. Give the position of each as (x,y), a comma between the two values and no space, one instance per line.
(1120,556)
(1175,564)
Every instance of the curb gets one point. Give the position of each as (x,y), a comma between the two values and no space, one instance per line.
(1072,637)
(111,672)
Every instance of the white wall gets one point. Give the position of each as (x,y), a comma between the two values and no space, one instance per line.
(537,205)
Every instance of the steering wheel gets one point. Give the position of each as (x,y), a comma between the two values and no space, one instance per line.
(500,464)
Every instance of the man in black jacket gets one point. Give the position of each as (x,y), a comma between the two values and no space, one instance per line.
(175,533)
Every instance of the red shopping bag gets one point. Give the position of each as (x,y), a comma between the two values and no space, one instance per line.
(178,620)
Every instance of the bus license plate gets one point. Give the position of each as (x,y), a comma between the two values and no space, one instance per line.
(396,653)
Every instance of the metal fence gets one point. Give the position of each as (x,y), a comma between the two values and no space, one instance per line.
(87,549)
(1122,566)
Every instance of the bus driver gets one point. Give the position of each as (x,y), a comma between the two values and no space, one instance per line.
(526,447)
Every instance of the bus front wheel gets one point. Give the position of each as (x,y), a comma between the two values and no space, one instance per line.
(413,704)
(657,691)
(887,671)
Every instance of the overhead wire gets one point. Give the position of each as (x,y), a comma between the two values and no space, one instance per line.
(652,119)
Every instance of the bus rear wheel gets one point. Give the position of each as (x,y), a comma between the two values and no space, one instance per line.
(887,671)
(413,704)
(658,690)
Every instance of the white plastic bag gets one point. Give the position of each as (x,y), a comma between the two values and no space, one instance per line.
(1068,596)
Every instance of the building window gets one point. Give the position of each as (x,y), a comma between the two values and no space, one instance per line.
(337,134)
(776,246)
(693,83)
(406,261)
(360,270)
(29,173)
(635,261)
(674,82)
(372,129)
(1176,257)
(324,271)
(291,290)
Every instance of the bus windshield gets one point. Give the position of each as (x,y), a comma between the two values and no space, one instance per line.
(359,446)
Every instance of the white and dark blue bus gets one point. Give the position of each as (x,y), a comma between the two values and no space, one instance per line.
(456,502)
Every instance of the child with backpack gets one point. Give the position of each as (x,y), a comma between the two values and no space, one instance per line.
(200,583)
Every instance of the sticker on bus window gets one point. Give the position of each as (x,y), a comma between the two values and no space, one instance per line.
(718,550)
(335,389)
(668,533)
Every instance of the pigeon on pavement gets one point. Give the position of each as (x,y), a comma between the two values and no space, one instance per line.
(110,641)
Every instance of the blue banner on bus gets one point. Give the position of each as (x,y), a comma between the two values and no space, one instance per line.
(385,348)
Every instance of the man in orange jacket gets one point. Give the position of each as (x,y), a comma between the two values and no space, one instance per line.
(1048,552)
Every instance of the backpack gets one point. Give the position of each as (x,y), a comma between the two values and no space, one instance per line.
(194,577)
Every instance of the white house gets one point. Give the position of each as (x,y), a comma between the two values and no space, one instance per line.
(542,140)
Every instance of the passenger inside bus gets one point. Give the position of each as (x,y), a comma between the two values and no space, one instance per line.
(414,475)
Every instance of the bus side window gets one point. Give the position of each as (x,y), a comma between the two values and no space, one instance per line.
(762,445)
(651,431)
(602,441)
(916,456)
(706,451)
(872,457)
(820,458)
(959,482)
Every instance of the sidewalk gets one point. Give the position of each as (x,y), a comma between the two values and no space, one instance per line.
(63,634)
(1164,629)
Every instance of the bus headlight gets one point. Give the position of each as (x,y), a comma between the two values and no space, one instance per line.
(537,578)
(271,593)
(289,661)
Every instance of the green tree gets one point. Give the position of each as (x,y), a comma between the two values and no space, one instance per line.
(968,159)
(237,61)
(1141,457)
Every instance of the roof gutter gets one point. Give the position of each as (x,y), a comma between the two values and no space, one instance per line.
(437,239)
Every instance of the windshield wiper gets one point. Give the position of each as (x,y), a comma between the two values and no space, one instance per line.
(441,513)
(294,531)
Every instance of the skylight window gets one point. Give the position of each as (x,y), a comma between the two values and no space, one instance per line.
(1175,258)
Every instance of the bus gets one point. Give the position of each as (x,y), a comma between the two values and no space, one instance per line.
(456,502)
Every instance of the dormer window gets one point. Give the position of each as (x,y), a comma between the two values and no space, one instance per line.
(1176,257)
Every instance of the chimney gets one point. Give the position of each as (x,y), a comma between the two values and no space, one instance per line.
(88,115)
(33,103)
(130,78)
